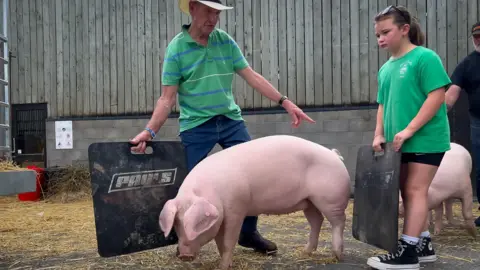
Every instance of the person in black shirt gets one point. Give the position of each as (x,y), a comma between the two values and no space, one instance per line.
(467,76)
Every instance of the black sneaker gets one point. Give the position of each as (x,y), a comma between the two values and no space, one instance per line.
(405,258)
(425,251)
(477,222)
(257,242)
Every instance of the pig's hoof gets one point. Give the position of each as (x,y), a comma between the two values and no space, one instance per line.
(338,257)
(308,250)
(308,253)
(472,231)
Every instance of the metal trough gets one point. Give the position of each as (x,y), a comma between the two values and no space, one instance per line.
(16,182)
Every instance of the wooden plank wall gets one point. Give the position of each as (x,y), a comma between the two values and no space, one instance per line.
(92,57)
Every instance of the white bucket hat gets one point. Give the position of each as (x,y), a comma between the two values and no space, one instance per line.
(215,4)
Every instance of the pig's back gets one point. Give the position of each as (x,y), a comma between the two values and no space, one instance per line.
(267,151)
(457,161)
(266,170)
(454,171)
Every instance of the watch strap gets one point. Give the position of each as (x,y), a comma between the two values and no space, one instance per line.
(152,133)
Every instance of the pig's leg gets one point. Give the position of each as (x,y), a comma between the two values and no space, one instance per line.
(449,212)
(335,214)
(467,207)
(227,238)
(429,220)
(219,239)
(435,204)
(438,218)
(315,219)
(337,220)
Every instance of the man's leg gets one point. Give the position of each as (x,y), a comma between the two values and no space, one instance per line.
(198,142)
(233,133)
(475,140)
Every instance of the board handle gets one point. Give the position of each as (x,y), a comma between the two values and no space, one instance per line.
(132,144)
(383,145)
(148,148)
(149,143)
(381,153)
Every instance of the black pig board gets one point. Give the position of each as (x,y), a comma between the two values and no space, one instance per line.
(129,191)
(376,195)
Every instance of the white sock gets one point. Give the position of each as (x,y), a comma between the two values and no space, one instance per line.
(409,239)
(425,234)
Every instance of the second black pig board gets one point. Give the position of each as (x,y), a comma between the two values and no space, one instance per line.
(376,197)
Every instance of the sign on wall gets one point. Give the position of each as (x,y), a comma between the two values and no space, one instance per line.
(63,135)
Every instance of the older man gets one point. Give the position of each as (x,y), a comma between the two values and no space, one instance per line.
(467,76)
(200,64)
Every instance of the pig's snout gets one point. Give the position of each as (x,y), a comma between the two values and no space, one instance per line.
(185,256)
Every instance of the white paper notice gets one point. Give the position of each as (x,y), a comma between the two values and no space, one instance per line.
(63,135)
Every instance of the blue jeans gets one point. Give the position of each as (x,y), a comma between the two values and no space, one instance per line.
(475,139)
(199,141)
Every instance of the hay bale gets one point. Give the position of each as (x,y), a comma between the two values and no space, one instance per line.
(8,165)
(68,184)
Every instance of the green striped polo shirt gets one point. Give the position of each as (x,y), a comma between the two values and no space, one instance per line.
(204,76)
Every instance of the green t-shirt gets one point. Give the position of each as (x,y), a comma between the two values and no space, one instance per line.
(403,86)
(204,76)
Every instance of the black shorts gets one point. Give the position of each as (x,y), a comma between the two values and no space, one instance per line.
(433,159)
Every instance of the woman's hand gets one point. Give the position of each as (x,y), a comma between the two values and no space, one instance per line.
(377,143)
(400,138)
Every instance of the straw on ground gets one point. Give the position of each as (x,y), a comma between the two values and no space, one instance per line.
(55,234)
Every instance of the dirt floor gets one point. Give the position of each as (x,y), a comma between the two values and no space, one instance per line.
(43,235)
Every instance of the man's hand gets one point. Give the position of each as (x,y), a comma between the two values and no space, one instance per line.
(140,141)
(296,113)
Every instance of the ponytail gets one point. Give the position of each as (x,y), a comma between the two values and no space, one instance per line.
(416,36)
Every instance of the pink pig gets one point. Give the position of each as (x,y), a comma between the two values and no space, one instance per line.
(271,175)
(452,181)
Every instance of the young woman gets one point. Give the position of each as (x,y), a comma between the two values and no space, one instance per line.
(412,115)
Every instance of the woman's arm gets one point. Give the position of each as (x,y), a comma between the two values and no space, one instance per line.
(430,107)
(379,127)
(433,82)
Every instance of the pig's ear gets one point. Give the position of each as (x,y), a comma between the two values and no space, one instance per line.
(199,218)
(167,217)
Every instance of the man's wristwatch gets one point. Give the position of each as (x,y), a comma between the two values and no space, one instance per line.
(282,100)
